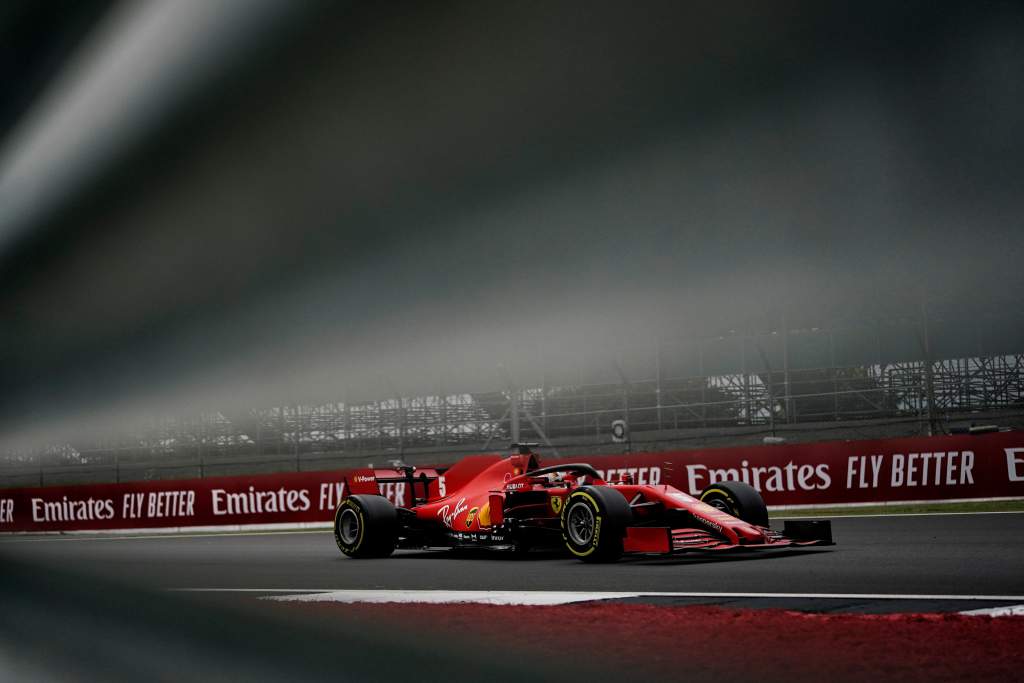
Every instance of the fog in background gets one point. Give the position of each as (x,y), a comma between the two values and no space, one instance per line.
(247,204)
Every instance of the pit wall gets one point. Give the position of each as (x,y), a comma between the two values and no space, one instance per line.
(943,468)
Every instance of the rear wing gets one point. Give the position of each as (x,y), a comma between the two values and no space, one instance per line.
(403,485)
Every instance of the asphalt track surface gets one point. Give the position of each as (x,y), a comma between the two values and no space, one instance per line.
(953,554)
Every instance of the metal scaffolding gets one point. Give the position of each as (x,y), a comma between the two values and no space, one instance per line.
(563,412)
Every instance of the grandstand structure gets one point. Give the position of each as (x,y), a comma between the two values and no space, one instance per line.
(917,375)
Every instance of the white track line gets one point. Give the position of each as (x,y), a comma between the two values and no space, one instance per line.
(438,596)
(796,512)
(313,527)
(452,597)
(275,530)
(317,527)
(550,598)
(250,590)
(1008,611)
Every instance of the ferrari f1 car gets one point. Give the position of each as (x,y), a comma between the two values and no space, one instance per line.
(515,504)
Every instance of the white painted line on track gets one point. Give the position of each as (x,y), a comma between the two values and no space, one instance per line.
(1007,611)
(559,597)
(315,527)
(250,590)
(452,597)
(796,512)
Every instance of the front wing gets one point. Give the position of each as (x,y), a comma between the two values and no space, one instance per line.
(665,540)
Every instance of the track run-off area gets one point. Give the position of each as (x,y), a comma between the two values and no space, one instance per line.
(911,598)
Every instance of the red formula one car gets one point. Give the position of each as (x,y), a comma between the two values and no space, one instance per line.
(513,503)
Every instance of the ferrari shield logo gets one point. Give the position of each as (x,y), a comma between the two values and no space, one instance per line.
(556,504)
(470,516)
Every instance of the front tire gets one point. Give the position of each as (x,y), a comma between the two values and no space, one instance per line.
(737,499)
(594,521)
(366,526)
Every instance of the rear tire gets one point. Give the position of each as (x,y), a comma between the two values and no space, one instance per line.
(737,499)
(594,521)
(366,526)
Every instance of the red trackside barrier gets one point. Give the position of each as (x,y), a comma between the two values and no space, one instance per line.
(829,473)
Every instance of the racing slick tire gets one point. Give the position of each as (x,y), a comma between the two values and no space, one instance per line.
(594,521)
(366,526)
(738,499)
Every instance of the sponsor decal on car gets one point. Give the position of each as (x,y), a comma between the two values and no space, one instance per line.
(448,515)
(709,523)
(482,537)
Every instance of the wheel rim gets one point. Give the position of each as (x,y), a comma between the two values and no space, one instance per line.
(720,504)
(348,526)
(580,524)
